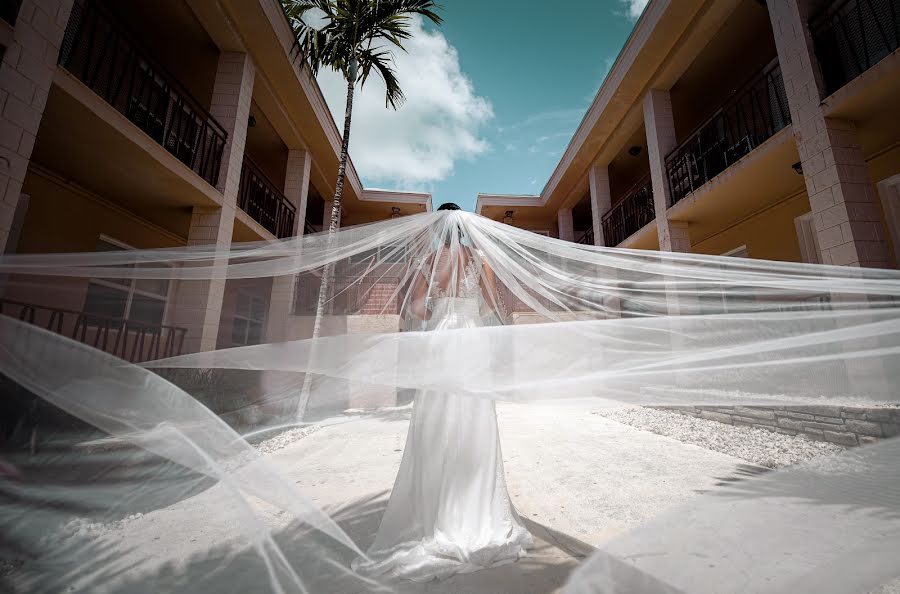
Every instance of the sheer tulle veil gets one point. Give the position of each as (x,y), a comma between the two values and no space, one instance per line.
(112,423)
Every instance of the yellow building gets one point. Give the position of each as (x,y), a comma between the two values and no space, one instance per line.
(158,124)
(738,127)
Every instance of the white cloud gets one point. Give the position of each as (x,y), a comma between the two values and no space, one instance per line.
(439,124)
(634,8)
(555,116)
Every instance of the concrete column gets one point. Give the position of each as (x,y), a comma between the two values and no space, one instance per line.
(26,74)
(601,199)
(679,237)
(660,125)
(566,226)
(841,195)
(296,184)
(296,190)
(199,303)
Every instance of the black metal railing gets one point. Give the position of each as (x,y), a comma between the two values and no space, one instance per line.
(9,10)
(586,238)
(851,36)
(308,227)
(261,199)
(748,118)
(630,214)
(100,52)
(126,339)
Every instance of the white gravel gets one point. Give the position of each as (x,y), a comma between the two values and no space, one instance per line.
(765,448)
(285,438)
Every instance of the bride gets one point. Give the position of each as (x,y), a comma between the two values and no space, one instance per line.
(449,511)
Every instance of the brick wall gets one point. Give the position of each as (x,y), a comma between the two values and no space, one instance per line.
(848,426)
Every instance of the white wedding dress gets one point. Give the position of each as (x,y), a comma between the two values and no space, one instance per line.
(449,511)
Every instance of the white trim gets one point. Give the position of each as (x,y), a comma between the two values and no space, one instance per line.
(808,239)
(889,191)
(738,252)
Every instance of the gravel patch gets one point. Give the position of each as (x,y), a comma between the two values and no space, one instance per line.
(285,438)
(765,448)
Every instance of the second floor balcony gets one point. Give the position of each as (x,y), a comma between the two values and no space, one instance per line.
(747,119)
(851,36)
(630,214)
(99,51)
(261,199)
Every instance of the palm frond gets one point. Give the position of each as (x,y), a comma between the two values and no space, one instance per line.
(354,33)
(380,60)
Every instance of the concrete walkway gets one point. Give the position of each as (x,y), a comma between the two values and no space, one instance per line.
(577,478)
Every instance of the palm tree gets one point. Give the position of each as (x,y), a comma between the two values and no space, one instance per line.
(354,38)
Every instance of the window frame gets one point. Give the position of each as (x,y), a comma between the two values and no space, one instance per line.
(248,318)
(131,288)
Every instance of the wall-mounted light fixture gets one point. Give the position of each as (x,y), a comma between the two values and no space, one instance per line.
(395,212)
(634,151)
(251,122)
(508,218)
(798,167)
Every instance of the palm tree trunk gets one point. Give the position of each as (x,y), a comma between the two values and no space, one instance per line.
(328,272)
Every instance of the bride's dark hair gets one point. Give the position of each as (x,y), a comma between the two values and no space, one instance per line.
(449,206)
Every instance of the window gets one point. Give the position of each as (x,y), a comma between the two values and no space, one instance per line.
(137,300)
(249,319)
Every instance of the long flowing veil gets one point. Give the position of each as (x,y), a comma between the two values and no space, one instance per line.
(108,422)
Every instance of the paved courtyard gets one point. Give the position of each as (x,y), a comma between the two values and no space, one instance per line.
(577,479)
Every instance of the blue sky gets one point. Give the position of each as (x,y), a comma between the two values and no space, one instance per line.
(494,96)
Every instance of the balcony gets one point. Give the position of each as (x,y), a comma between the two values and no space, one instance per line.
(851,36)
(630,215)
(748,118)
(586,238)
(101,53)
(261,199)
(127,339)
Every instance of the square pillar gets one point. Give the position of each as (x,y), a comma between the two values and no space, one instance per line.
(296,185)
(296,189)
(679,237)
(26,74)
(841,195)
(660,126)
(566,226)
(199,303)
(601,199)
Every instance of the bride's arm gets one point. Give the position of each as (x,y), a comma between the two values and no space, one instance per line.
(418,296)
(491,301)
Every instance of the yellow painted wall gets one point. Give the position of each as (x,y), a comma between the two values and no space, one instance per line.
(62,219)
(768,235)
(883,166)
